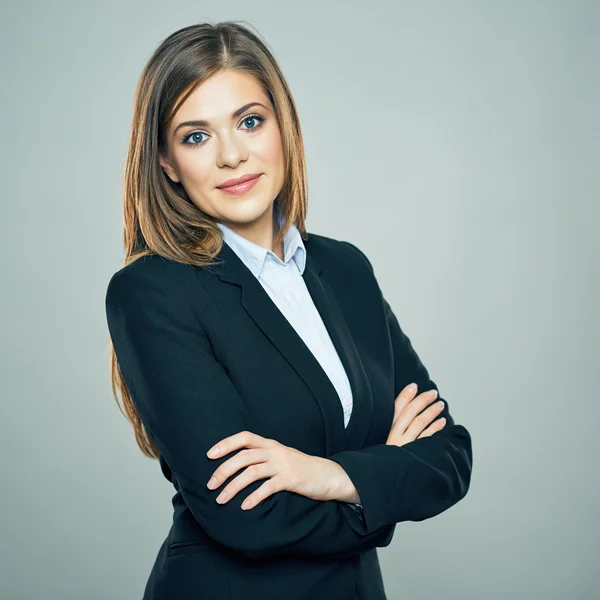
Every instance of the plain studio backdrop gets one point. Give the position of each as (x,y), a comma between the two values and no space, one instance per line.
(456,143)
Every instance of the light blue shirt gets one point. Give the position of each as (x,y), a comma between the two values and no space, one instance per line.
(283,281)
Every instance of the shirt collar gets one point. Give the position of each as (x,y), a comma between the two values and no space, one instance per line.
(254,256)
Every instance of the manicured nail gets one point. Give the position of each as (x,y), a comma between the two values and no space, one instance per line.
(214,451)
(221,497)
(412,387)
(211,483)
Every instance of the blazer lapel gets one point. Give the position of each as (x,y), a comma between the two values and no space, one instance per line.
(328,307)
(257,302)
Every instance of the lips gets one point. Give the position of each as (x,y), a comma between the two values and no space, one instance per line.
(241,188)
(239,180)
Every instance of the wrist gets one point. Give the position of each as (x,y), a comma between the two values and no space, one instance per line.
(343,489)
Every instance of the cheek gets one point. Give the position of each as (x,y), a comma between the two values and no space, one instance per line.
(194,167)
(271,150)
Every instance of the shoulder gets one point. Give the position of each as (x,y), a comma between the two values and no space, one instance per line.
(149,275)
(342,253)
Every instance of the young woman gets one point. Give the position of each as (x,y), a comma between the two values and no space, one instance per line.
(259,364)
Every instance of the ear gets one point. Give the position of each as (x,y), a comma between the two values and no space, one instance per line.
(167,168)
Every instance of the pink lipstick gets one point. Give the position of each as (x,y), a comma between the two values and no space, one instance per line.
(240,185)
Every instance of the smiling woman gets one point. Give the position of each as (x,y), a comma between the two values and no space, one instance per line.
(261,365)
(234,144)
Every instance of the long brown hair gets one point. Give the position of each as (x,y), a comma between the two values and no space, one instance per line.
(159,217)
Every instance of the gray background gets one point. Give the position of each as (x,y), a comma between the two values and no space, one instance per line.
(456,143)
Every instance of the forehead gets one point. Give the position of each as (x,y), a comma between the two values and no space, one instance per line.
(216,98)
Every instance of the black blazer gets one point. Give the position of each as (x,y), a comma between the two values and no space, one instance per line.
(206,354)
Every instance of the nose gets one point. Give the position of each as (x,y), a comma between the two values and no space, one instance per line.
(232,150)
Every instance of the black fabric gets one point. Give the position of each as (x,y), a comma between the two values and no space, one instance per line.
(206,353)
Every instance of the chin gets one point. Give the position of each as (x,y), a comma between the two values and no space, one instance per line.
(240,210)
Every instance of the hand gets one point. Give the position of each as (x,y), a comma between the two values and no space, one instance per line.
(408,425)
(284,468)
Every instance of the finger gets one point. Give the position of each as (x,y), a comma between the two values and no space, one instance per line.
(437,425)
(242,439)
(268,488)
(415,407)
(424,419)
(403,399)
(250,474)
(242,459)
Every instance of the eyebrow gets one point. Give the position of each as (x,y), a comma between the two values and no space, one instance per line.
(234,114)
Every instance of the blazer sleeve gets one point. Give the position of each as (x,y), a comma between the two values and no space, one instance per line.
(422,478)
(188,403)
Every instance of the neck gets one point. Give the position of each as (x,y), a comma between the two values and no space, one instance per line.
(261,231)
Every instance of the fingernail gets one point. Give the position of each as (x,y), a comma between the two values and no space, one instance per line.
(213,451)
(211,483)
(221,497)
(433,394)
(412,387)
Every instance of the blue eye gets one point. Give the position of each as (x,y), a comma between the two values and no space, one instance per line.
(195,134)
(252,118)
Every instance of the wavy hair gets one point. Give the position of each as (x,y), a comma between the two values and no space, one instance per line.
(159,217)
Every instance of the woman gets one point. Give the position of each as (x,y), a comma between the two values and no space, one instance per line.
(233,328)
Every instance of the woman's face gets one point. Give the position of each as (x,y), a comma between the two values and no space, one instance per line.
(202,156)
